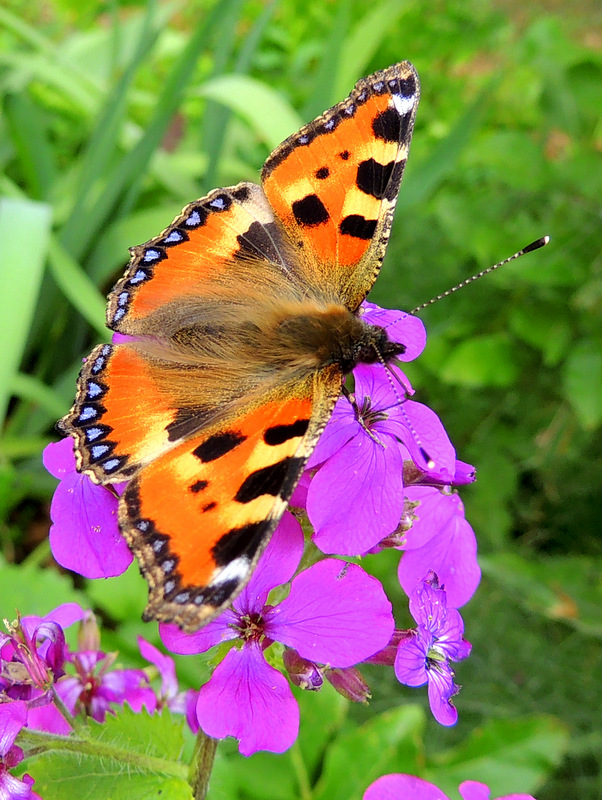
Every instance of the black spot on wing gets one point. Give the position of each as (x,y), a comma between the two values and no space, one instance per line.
(218,445)
(187,421)
(274,480)
(373,177)
(241,194)
(406,87)
(357,226)
(259,240)
(279,434)
(238,542)
(310,211)
(390,126)
(322,173)
(198,486)
(344,154)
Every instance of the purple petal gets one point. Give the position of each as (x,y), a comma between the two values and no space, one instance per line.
(59,459)
(441,688)
(165,666)
(403,787)
(428,605)
(465,473)
(13,716)
(276,566)
(66,614)
(250,700)
(12,788)
(341,428)
(433,514)
(335,614)
(452,554)
(422,432)
(48,718)
(85,535)
(410,661)
(450,641)
(401,327)
(222,629)
(473,790)
(355,499)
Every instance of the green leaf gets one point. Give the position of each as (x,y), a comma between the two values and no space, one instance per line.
(427,176)
(264,109)
(363,43)
(583,382)
(34,591)
(564,588)
(129,757)
(78,288)
(24,237)
(482,361)
(507,755)
(387,743)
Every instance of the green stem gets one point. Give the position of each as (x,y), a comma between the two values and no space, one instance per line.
(201,765)
(305,792)
(39,742)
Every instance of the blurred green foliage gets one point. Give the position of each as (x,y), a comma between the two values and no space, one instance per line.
(115,115)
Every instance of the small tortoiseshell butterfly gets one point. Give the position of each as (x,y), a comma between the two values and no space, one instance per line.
(243,318)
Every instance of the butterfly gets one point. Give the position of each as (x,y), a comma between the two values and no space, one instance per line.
(237,326)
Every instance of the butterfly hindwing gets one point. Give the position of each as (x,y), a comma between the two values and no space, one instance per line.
(334,184)
(229,486)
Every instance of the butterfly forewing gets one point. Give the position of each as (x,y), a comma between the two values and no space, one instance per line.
(334,183)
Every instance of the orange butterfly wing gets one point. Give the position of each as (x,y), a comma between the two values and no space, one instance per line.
(202,412)
(334,184)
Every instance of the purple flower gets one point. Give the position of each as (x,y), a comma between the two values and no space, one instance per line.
(13,717)
(440,540)
(84,536)
(170,696)
(96,686)
(423,656)
(335,613)
(397,786)
(356,497)
(33,653)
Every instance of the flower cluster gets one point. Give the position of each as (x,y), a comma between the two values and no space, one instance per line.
(47,684)
(394,787)
(380,477)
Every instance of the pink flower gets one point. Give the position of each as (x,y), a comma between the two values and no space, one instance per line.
(84,536)
(399,787)
(423,655)
(335,613)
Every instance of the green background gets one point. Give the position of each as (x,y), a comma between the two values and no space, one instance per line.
(115,115)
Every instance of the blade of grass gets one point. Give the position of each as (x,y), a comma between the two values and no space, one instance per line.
(270,116)
(104,140)
(28,135)
(24,239)
(428,175)
(324,80)
(362,44)
(127,176)
(77,287)
(216,116)
(26,387)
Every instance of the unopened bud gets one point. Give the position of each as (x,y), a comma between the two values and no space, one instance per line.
(350,683)
(303,673)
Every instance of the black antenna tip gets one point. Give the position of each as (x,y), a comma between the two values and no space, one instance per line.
(536,244)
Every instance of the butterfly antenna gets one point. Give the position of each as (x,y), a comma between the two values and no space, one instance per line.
(528,249)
